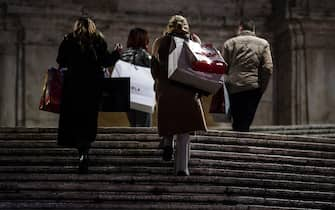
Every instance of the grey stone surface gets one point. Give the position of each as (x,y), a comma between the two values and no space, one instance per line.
(300,32)
(228,171)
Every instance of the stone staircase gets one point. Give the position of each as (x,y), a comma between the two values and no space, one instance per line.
(229,170)
(318,130)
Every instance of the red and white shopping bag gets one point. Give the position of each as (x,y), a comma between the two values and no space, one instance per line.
(51,91)
(196,66)
(206,58)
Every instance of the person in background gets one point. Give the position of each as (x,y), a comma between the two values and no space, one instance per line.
(249,70)
(179,109)
(137,54)
(84,54)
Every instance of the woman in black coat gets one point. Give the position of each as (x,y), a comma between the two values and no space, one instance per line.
(83,53)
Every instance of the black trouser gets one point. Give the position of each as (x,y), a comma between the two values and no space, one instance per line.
(243,106)
(139,119)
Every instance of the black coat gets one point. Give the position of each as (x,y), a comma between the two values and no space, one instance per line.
(81,89)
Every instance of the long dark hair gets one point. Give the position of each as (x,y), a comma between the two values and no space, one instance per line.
(138,38)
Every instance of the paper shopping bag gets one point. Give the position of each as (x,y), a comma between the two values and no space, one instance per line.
(206,58)
(220,106)
(51,91)
(180,68)
(142,95)
(115,95)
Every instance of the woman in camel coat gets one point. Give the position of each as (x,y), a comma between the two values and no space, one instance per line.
(179,109)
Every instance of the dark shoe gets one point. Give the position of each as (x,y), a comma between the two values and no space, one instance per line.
(83,164)
(183,173)
(167,153)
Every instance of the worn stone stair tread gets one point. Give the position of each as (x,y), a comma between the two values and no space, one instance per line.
(229,170)
(153,135)
(100,130)
(203,140)
(73,205)
(218,164)
(265,143)
(13,190)
(151,159)
(166,179)
(217,199)
(147,156)
(160,170)
(264,150)
(22,147)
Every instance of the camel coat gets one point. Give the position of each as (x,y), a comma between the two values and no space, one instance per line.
(179,107)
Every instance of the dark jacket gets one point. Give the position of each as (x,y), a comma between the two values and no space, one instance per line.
(249,62)
(179,108)
(81,88)
(138,57)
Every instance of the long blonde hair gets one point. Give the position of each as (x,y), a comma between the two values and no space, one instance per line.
(84,27)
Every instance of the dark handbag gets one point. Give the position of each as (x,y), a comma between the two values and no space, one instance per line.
(115,95)
(51,91)
(220,106)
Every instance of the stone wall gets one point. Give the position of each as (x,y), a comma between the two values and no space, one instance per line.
(304,55)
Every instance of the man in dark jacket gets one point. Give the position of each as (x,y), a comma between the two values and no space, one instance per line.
(249,70)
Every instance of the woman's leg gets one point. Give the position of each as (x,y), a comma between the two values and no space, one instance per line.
(167,145)
(182,154)
(83,158)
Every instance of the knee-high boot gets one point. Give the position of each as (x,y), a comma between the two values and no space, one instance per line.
(167,145)
(182,154)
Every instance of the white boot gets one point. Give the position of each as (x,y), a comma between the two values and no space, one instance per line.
(182,154)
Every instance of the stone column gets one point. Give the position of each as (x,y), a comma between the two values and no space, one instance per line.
(20,110)
(303,48)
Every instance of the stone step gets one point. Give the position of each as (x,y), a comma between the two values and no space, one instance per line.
(104,133)
(152,149)
(125,205)
(167,180)
(120,130)
(153,157)
(323,131)
(156,161)
(229,170)
(21,188)
(102,197)
(265,137)
(292,143)
(297,129)
(161,170)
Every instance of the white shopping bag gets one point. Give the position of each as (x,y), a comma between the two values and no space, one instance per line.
(142,95)
(180,68)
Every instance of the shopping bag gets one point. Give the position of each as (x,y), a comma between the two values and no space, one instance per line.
(220,106)
(51,91)
(206,58)
(180,68)
(115,95)
(142,95)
